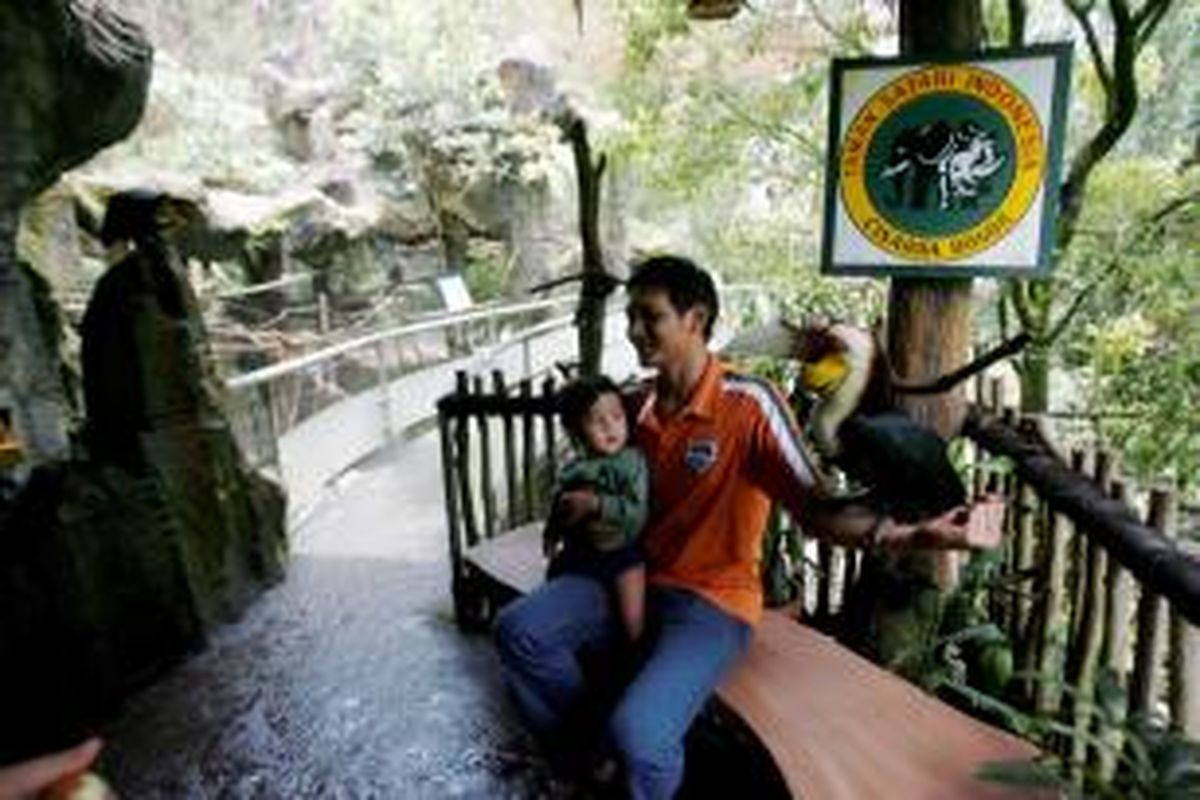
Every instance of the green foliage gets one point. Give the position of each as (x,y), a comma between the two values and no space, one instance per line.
(1153,762)
(487,272)
(1137,344)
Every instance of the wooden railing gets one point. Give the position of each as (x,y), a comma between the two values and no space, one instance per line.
(1100,588)
(500,450)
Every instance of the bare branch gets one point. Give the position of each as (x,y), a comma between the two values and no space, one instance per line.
(1174,206)
(1146,21)
(1144,228)
(777,129)
(1018,293)
(1120,104)
(1082,12)
(1018,13)
(855,44)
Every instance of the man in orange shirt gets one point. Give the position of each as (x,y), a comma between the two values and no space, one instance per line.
(720,446)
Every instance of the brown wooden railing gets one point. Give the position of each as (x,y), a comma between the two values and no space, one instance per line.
(499,454)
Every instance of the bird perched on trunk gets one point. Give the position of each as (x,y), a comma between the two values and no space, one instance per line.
(901,465)
(856,425)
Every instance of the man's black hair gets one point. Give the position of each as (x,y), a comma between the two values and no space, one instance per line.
(576,398)
(686,284)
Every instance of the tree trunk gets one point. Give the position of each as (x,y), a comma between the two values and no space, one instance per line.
(1035,379)
(929,333)
(595,285)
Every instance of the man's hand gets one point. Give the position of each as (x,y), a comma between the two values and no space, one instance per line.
(577,505)
(976,526)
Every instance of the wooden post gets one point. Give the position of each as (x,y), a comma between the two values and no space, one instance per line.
(548,391)
(1144,688)
(485,467)
(1055,620)
(1086,655)
(824,581)
(1077,558)
(528,451)
(462,437)
(1115,654)
(450,490)
(510,454)
(595,286)
(1183,670)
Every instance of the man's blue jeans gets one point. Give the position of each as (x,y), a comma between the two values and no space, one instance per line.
(692,645)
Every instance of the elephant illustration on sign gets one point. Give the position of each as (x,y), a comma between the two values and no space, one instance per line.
(956,159)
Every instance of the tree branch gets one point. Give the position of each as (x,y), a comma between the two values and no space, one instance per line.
(1120,104)
(1018,13)
(1146,20)
(1081,12)
(841,37)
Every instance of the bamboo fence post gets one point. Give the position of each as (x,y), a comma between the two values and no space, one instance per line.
(510,453)
(848,575)
(450,491)
(800,567)
(462,431)
(1115,653)
(1183,669)
(1144,684)
(548,392)
(1024,545)
(1055,618)
(824,580)
(528,453)
(1086,656)
(1077,559)
(1002,603)
(485,466)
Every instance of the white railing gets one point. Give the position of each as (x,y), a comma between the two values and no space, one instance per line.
(309,419)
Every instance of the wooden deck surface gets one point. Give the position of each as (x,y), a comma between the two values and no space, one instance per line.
(838,726)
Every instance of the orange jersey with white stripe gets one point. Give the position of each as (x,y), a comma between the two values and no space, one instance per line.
(714,467)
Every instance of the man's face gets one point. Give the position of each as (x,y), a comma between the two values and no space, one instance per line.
(660,334)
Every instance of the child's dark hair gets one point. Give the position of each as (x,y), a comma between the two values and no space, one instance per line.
(686,284)
(577,397)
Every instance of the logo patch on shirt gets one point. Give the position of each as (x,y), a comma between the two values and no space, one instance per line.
(701,455)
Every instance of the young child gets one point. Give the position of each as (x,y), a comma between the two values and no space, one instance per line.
(601,498)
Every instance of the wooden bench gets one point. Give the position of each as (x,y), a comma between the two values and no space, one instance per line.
(836,725)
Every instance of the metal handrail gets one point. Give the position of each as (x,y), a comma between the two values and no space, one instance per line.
(283,368)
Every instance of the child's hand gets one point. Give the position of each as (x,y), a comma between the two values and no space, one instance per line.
(577,505)
(549,543)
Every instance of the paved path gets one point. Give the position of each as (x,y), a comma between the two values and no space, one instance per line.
(349,680)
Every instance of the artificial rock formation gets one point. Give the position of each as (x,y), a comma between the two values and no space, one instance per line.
(110,568)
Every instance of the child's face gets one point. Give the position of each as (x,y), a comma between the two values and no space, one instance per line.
(604,428)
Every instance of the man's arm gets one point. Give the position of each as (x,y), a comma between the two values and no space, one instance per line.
(780,463)
(974,526)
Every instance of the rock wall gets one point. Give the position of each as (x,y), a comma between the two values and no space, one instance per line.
(107,574)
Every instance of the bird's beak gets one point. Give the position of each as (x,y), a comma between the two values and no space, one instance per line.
(820,377)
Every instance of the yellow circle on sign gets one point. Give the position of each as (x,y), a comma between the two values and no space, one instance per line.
(975,83)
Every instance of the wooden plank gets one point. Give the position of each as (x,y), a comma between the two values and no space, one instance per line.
(514,558)
(837,725)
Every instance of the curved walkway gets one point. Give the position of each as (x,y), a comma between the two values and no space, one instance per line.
(349,680)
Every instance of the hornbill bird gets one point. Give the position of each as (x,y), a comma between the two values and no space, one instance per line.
(902,465)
